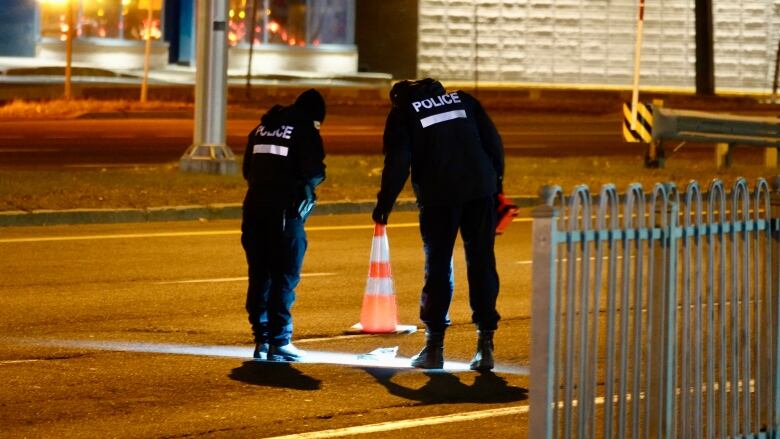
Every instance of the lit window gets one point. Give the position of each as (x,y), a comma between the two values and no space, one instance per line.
(117,19)
(292,22)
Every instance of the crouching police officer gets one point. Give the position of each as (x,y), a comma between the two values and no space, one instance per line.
(456,159)
(283,163)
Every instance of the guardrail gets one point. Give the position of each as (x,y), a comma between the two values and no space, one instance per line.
(659,320)
(657,126)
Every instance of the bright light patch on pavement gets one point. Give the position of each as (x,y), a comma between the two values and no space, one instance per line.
(377,358)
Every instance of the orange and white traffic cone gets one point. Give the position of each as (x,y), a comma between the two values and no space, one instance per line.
(380,311)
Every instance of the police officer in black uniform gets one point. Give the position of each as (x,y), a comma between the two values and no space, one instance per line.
(456,159)
(283,163)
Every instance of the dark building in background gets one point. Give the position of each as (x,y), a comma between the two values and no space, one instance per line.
(386,36)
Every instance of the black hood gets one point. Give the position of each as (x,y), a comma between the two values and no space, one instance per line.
(405,91)
(274,117)
(310,104)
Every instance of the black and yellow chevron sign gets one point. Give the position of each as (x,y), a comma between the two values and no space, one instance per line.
(643,130)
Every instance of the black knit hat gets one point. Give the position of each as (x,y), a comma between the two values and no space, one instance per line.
(311,104)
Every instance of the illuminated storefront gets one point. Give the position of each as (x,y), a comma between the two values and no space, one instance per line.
(293,35)
(107,32)
(289,35)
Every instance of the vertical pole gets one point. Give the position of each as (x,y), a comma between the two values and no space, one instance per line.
(668,425)
(543,323)
(266,13)
(476,48)
(721,155)
(774,319)
(770,157)
(208,152)
(147,52)
(251,50)
(655,324)
(705,63)
(69,52)
(637,62)
(777,72)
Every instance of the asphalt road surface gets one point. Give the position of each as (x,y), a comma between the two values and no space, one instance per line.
(100,142)
(138,330)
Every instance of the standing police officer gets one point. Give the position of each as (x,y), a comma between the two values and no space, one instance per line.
(456,159)
(283,163)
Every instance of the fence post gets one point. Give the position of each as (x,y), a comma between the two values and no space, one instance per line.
(775,313)
(543,323)
(662,309)
(669,393)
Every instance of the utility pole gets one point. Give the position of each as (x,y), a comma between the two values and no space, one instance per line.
(705,59)
(208,152)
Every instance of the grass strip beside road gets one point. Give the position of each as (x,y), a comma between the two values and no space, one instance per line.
(350,178)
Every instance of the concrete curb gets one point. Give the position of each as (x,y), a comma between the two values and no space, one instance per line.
(16,218)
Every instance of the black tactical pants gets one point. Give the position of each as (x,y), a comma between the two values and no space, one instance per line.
(439,227)
(275,245)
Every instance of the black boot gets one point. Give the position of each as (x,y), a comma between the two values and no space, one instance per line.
(483,359)
(432,355)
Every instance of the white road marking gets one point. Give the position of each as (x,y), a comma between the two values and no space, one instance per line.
(230,279)
(408,423)
(203,233)
(18,361)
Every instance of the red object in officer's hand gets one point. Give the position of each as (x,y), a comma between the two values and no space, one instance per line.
(506,211)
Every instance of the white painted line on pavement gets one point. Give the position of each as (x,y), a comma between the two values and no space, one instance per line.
(205,233)
(122,236)
(230,279)
(408,423)
(18,361)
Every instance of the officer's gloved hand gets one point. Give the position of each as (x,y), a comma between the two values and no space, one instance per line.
(380,215)
(306,200)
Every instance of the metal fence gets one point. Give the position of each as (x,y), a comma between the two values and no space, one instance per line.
(656,315)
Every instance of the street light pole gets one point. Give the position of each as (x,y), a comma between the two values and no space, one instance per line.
(208,152)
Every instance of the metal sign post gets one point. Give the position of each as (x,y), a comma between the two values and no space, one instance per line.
(208,152)
(637,62)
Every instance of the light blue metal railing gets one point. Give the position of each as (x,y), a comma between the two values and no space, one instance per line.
(656,315)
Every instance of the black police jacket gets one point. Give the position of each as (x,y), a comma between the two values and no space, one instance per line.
(283,161)
(447,140)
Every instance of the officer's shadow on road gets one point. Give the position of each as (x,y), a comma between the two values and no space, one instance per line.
(274,374)
(444,388)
